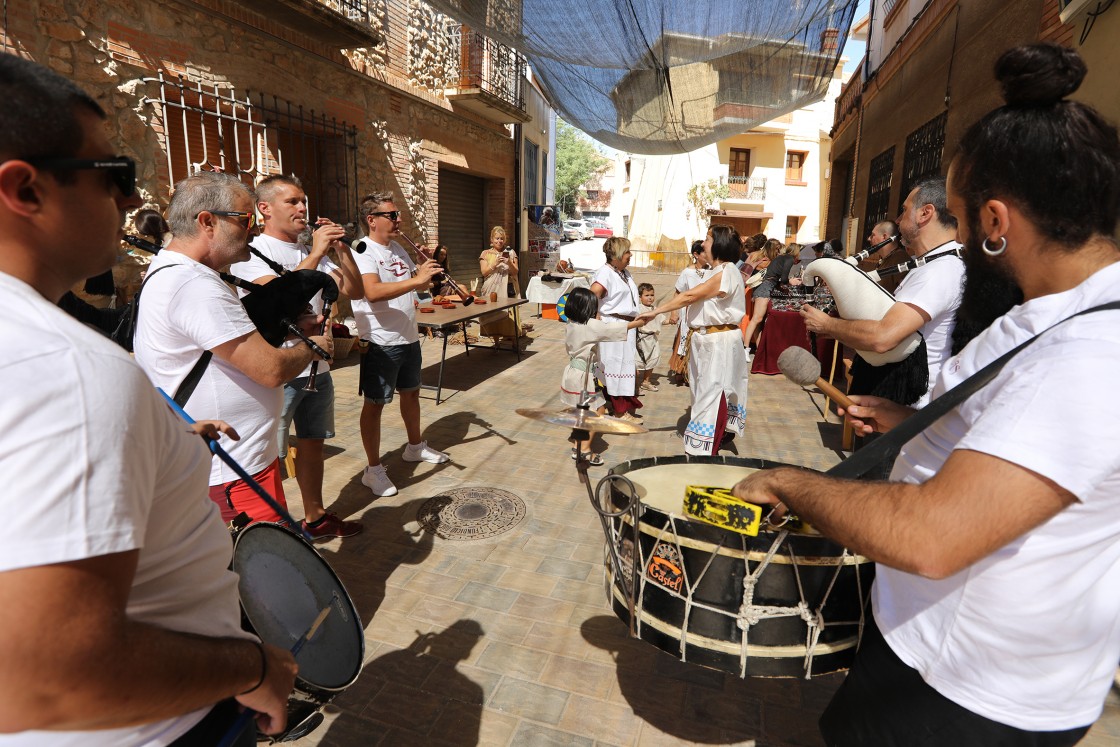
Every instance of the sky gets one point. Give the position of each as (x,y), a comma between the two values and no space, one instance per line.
(854,50)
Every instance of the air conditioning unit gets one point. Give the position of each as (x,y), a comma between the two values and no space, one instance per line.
(1075,10)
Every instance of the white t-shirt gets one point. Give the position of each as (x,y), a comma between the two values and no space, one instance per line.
(95,463)
(288,256)
(183,312)
(727,310)
(690,277)
(935,288)
(621,298)
(1030,635)
(391,322)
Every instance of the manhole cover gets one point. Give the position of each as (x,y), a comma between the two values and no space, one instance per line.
(471,513)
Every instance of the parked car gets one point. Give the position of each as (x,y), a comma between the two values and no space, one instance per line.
(600,228)
(574,230)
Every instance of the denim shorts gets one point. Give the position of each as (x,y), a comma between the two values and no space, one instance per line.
(312,412)
(386,368)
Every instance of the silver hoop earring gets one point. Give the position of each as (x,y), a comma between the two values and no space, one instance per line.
(994,252)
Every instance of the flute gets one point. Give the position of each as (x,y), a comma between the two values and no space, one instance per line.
(467,298)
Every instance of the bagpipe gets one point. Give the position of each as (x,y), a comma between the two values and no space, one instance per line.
(900,374)
(273,307)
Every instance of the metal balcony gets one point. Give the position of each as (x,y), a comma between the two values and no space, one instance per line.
(751,188)
(490,79)
(341,23)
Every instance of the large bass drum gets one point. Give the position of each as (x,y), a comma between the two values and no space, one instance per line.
(284,585)
(782,604)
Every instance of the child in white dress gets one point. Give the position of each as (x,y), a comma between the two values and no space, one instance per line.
(582,335)
(649,352)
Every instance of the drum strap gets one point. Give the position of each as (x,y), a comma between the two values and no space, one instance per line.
(887,447)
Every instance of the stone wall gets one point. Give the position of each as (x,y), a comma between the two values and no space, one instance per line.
(405,127)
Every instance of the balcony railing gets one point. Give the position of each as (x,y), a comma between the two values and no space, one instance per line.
(747,188)
(342,23)
(491,68)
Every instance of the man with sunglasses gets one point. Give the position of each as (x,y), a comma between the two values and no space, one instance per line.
(121,623)
(187,311)
(386,318)
(283,203)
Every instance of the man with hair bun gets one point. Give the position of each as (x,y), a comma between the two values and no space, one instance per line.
(997,540)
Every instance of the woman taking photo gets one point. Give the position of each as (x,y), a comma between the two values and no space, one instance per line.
(498,266)
(717,371)
(618,302)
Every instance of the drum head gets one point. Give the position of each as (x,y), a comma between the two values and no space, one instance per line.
(284,585)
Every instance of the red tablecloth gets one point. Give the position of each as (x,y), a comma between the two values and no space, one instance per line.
(781,330)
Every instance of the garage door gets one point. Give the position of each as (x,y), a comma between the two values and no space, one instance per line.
(462,220)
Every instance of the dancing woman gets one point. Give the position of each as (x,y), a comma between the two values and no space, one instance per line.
(717,370)
(618,302)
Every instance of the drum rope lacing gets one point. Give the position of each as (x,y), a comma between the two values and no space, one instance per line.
(749,614)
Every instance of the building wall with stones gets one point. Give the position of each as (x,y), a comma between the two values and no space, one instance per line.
(390,94)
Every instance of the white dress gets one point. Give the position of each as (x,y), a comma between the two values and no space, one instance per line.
(581,341)
(619,359)
(717,368)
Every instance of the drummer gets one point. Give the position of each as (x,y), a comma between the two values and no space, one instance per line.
(121,623)
(998,538)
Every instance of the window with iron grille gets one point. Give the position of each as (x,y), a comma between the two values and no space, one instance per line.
(879,188)
(207,128)
(532,155)
(923,155)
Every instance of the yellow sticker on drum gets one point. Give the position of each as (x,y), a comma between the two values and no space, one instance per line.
(719,507)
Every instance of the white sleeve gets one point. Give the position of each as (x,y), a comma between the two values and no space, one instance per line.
(1020,417)
(77,467)
(607,331)
(367,264)
(936,290)
(252,269)
(726,282)
(208,313)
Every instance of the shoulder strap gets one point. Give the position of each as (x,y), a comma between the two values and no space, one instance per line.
(126,324)
(186,389)
(869,457)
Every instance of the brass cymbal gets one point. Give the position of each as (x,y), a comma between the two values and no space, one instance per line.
(574,417)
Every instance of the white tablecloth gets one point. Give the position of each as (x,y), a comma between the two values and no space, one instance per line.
(549,291)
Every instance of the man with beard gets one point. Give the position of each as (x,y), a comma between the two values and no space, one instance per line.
(189,314)
(283,204)
(926,299)
(997,540)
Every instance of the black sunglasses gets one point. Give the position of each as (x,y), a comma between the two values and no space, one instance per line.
(121,169)
(248,224)
(391,215)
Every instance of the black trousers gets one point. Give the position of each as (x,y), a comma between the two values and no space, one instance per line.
(884,703)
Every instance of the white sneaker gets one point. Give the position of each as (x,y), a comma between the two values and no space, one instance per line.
(376,480)
(421,452)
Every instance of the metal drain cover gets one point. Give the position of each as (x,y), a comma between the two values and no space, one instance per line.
(471,513)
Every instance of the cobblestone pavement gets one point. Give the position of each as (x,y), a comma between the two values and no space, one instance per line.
(508,639)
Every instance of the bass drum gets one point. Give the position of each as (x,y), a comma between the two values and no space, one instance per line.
(782,604)
(284,585)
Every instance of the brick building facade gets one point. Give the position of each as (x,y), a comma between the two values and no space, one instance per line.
(349,95)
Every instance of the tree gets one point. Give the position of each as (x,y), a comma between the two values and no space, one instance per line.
(576,161)
(703,195)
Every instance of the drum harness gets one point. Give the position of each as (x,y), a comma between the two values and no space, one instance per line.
(851,468)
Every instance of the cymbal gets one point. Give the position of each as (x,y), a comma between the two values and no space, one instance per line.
(574,417)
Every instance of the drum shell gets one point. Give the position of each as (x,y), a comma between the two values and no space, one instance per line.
(805,566)
(283,585)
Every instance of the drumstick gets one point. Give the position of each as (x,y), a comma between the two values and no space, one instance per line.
(800,367)
(248,713)
(225,457)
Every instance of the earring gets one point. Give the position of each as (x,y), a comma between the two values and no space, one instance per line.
(994,252)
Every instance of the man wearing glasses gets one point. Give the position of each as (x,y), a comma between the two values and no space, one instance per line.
(121,623)
(386,318)
(187,310)
(283,203)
